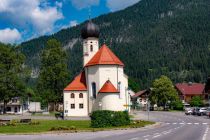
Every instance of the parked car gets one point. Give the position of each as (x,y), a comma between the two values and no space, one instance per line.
(202,111)
(195,111)
(208,112)
(188,111)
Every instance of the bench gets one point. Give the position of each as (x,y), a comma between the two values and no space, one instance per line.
(25,121)
(4,122)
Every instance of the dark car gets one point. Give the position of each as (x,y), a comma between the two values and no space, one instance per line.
(59,115)
(195,111)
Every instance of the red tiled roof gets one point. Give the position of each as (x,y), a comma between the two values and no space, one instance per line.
(190,89)
(78,84)
(104,57)
(108,87)
(139,93)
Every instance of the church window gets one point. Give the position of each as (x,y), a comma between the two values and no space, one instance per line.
(94,90)
(72,106)
(91,48)
(72,95)
(81,106)
(80,95)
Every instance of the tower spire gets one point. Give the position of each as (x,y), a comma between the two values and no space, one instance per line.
(89,13)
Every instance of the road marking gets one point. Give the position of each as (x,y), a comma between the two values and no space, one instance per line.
(204,136)
(156,136)
(181,123)
(146,136)
(168,123)
(174,123)
(196,123)
(189,123)
(204,123)
(134,138)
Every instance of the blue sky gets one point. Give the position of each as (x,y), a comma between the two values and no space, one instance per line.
(21,20)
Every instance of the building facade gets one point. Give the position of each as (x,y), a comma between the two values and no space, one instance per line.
(187,91)
(102,83)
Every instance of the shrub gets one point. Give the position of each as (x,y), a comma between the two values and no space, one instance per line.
(63,128)
(60,128)
(34,123)
(177,105)
(106,118)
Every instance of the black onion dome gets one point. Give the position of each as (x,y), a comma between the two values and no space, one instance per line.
(90,30)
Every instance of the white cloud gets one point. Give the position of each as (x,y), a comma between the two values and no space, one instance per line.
(59,4)
(9,35)
(73,23)
(115,5)
(35,14)
(81,4)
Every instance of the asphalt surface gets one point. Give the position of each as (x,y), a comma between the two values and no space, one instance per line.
(171,126)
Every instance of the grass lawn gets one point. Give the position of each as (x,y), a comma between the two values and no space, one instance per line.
(72,126)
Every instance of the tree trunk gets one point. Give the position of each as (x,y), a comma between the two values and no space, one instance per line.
(5,107)
(54,106)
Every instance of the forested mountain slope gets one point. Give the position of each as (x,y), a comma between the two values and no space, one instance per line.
(152,38)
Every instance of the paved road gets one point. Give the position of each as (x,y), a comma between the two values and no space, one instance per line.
(173,126)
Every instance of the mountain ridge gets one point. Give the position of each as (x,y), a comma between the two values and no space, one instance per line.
(152,38)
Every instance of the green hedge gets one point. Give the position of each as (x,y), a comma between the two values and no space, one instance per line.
(106,118)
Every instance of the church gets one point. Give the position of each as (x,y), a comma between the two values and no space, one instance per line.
(102,83)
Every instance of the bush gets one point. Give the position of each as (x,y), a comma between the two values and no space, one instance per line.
(34,123)
(63,128)
(196,101)
(177,105)
(106,118)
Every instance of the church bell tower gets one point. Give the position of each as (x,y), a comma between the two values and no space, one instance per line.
(90,35)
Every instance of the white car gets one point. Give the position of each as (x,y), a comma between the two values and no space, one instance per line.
(188,111)
(202,111)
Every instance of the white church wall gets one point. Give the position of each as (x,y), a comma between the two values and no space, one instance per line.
(92,76)
(107,72)
(87,52)
(110,101)
(77,110)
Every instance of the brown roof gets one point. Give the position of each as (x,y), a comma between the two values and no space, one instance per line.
(78,84)
(139,93)
(190,89)
(104,57)
(108,87)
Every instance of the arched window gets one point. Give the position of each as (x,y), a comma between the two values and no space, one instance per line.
(91,48)
(80,95)
(72,95)
(94,89)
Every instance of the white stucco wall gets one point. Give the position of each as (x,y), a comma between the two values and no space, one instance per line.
(110,101)
(87,53)
(100,74)
(68,101)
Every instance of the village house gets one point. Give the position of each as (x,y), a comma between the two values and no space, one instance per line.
(101,84)
(141,98)
(14,106)
(187,91)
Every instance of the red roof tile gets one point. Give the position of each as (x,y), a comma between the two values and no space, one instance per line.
(190,89)
(104,57)
(78,84)
(108,87)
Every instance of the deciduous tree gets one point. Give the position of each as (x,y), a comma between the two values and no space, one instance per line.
(53,73)
(11,67)
(163,92)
